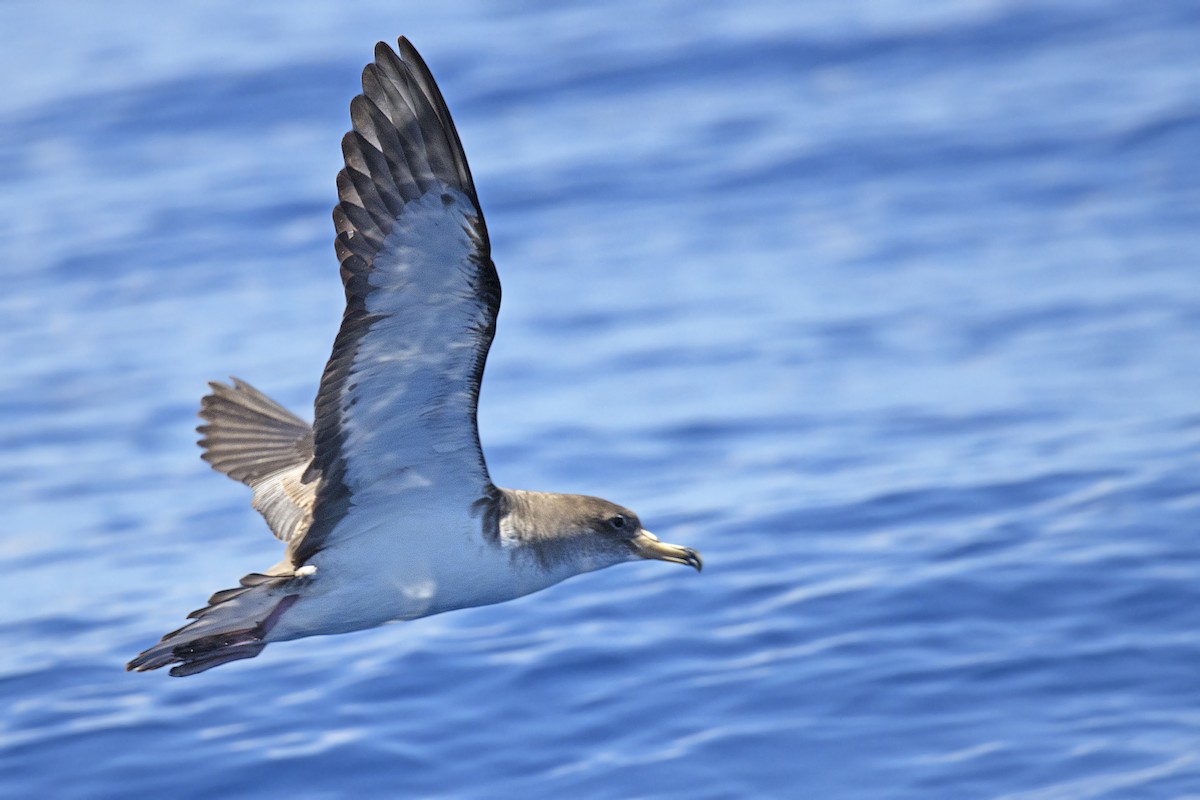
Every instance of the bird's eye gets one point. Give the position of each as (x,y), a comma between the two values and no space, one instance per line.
(618,521)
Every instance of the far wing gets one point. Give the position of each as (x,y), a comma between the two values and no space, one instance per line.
(253,439)
(395,414)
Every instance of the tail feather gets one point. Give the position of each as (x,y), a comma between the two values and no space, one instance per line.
(216,658)
(219,597)
(233,626)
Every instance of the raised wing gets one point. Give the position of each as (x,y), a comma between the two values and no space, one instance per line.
(253,439)
(395,414)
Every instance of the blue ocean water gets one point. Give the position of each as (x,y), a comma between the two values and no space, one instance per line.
(890,309)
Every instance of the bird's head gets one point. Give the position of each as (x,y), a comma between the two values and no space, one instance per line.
(622,528)
(592,532)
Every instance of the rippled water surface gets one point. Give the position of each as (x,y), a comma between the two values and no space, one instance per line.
(892,309)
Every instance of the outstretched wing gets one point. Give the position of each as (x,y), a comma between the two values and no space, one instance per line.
(395,414)
(253,439)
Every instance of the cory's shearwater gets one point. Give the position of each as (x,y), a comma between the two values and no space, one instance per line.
(385,503)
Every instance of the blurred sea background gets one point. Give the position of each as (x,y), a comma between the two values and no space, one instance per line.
(891,309)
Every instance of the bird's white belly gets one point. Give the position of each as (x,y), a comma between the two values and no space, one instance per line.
(372,578)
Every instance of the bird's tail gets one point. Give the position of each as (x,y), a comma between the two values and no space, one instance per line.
(233,626)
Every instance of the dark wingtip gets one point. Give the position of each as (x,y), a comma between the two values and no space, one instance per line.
(407,51)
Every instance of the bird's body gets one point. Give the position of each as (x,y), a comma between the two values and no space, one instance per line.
(385,503)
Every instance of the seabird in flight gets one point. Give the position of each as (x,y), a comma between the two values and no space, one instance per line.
(385,503)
